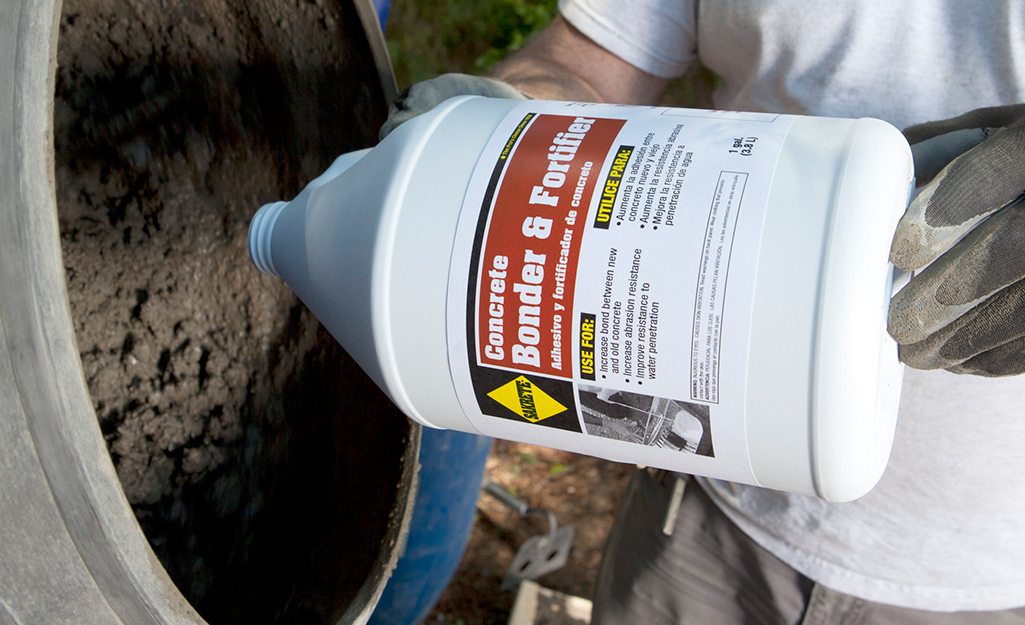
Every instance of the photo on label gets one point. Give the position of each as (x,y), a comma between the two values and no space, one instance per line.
(646,420)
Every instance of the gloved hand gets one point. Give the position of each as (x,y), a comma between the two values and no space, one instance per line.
(966,311)
(423,96)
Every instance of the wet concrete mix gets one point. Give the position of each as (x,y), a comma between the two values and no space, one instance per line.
(260,462)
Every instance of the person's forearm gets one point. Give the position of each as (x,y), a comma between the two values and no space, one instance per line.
(563,64)
(545,80)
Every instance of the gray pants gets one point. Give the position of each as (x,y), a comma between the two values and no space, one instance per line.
(708,572)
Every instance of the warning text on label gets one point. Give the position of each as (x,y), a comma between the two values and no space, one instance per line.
(711,285)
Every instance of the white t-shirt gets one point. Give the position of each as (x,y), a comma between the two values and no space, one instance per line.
(945,527)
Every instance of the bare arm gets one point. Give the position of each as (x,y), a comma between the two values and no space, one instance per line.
(561,63)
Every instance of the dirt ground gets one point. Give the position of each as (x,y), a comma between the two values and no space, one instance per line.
(581,491)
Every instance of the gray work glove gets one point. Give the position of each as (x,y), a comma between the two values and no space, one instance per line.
(423,96)
(966,311)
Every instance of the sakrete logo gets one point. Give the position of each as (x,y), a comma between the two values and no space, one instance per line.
(526,399)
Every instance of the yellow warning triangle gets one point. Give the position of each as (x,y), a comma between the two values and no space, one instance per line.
(527,400)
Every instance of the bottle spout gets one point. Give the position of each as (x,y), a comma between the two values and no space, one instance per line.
(261,230)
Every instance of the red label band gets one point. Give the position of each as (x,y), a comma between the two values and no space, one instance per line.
(528,264)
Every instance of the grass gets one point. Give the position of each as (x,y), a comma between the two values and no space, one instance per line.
(430,37)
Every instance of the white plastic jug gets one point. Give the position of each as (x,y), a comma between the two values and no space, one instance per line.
(700,291)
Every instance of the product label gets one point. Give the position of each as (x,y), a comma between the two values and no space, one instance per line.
(601,284)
